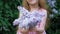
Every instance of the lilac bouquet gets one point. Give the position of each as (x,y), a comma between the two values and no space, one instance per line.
(27,20)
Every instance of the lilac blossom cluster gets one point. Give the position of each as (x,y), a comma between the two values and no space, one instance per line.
(27,19)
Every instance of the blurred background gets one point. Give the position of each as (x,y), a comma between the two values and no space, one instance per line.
(9,12)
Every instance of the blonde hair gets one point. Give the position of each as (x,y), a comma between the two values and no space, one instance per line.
(41,3)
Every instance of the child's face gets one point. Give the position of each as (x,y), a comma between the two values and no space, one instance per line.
(32,2)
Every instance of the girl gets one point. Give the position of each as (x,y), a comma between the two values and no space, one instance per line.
(35,5)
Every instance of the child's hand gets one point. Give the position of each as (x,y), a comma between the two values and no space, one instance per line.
(24,30)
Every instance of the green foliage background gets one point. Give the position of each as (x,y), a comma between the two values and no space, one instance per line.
(9,12)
